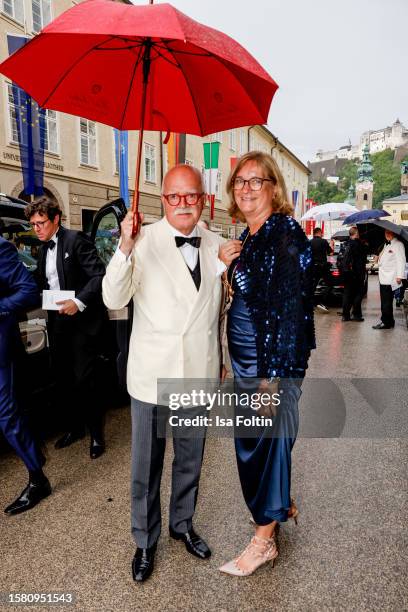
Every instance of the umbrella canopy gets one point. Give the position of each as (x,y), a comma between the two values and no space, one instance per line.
(373,233)
(94,59)
(331,210)
(399,230)
(340,234)
(142,68)
(365,215)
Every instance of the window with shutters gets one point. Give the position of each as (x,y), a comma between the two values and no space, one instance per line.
(14,9)
(41,10)
(232,140)
(50,131)
(88,142)
(242,142)
(150,163)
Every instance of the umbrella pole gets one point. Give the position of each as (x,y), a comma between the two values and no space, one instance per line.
(136,194)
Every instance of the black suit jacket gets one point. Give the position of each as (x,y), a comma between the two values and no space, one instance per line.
(81,270)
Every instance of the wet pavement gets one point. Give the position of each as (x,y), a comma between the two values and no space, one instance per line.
(348,552)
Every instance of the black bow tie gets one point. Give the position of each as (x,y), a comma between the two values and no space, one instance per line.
(388,242)
(195,242)
(50,244)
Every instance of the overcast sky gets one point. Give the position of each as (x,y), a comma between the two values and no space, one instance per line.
(341,65)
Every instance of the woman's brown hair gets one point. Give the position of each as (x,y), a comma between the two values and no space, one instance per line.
(280,203)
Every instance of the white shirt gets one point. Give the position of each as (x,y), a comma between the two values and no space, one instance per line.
(51,271)
(189,253)
(391,263)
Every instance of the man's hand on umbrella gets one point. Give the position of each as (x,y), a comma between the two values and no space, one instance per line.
(126,232)
(229,251)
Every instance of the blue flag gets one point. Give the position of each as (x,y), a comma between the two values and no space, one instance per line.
(30,120)
(122,154)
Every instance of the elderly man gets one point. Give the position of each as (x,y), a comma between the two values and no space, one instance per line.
(391,271)
(172,272)
(18,291)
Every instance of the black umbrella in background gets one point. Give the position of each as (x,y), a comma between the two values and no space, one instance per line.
(373,234)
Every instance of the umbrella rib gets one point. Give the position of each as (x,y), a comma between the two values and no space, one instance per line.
(137,62)
(189,88)
(66,73)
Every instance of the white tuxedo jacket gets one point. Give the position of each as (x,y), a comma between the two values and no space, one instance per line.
(175,327)
(391,263)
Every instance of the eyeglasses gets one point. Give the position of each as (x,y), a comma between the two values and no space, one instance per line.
(191,199)
(38,224)
(255,183)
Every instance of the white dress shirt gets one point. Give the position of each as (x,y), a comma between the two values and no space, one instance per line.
(51,271)
(391,263)
(189,253)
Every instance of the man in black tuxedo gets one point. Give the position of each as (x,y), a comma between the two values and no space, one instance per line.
(68,260)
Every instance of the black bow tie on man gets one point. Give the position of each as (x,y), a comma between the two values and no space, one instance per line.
(50,244)
(195,241)
(388,242)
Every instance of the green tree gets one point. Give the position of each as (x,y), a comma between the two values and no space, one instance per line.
(347,176)
(387,176)
(323,192)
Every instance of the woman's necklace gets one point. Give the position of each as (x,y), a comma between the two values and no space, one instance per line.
(228,283)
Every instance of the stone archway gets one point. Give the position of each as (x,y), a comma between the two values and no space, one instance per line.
(49,190)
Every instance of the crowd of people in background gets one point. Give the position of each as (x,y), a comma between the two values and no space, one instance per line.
(351,265)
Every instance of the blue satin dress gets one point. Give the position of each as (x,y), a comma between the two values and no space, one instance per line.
(264,454)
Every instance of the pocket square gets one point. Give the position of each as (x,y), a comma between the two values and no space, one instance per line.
(66,255)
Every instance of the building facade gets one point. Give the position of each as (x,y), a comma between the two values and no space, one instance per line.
(80,167)
(391,137)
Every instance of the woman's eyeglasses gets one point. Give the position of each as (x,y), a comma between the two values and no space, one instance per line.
(191,199)
(255,183)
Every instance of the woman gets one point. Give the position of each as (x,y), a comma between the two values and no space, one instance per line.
(270,335)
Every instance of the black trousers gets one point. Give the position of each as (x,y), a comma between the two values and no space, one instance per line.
(353,294)
(387,299)
(322,271)
(74,360)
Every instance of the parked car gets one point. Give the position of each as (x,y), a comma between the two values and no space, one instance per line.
(38,379)
(337,287)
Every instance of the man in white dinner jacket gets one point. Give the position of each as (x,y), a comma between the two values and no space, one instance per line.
(172,271)
(391,271)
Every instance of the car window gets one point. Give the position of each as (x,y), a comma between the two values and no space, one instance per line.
(107,237)
(20,233)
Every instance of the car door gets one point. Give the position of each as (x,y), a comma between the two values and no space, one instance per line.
(106,234)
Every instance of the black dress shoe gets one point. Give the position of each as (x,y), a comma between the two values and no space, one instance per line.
(382,326)
(68,439)
(29,497)
(143,563)
(358,319)
(194,544)
(97,448)
(345,319)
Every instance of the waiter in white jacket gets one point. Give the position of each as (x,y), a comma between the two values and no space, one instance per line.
(172,271)
(391,271)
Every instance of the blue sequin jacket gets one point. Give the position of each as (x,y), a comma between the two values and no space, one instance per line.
(274,274)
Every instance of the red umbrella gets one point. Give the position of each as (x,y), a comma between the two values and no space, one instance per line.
(142,68)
